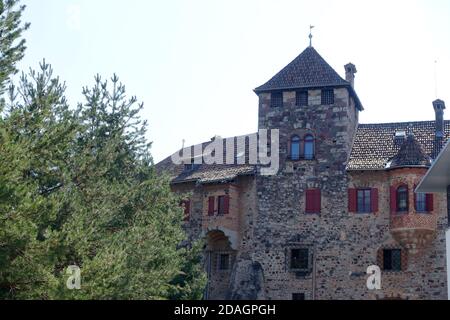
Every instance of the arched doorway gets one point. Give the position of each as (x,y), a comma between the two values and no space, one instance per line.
(220,259)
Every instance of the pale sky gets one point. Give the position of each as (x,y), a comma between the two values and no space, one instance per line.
(195,63)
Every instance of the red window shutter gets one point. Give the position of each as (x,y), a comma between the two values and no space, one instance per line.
(352,200)
(374,200)
(415,197)
(318,201)
(430,202)
(226,205)
(393,200)
(211,202)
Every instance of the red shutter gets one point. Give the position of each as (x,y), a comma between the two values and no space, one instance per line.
(374,200)
(393,200)
(226,205)
(415,198)
(318,201)
(352,200)
(313,201)
(211,202)
(430,202)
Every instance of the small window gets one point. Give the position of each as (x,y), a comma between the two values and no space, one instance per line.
(327,96)
(364,201)
(313,201)
(221,204)
(421,202)
(295,148)
(309,147)
(402,199)
(298,296)
(276,100)
(392,259)
(224,262)
(299,259)
(301,98)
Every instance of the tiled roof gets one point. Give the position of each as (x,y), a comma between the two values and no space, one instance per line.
(308,70)
(205,173)
(375,144)
(410,154)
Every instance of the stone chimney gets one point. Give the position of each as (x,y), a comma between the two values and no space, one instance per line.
(439,107)
(350,71)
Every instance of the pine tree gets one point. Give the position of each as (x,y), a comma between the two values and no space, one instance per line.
(12,45)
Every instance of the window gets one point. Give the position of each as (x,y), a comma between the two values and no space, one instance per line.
(295,148)
(392,259)
(223,204)
(309,147)
(421,202)
(402,199)
(313,201)
(298,296)
(299,259)
(190,167)
(364,201)
(301,98)
(327,96)
(276,100)
(224,262)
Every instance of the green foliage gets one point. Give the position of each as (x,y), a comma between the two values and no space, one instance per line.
(78,187)
(12,46)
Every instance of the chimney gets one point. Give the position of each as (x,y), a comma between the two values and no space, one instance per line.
(350,71)
(439,107)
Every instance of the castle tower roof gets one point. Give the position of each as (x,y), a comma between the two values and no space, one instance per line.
(410,154)
(308,70)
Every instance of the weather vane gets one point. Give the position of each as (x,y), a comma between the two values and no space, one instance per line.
(310,35)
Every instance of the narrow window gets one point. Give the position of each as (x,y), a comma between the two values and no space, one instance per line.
(364,201)
(276,99)
(421,202)
(186,204)
(298,296)
(327,96)
(295,148)
(309,147)
(221,204)
(299,259)
(301,98)
(402,199)
(224,262)
(392,259)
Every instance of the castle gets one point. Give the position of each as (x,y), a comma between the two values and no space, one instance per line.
(342,200)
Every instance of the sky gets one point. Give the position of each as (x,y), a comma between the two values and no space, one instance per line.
(195,63)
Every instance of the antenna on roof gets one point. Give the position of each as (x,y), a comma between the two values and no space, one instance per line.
(310,35)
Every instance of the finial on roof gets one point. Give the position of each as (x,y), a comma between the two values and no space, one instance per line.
(310,35)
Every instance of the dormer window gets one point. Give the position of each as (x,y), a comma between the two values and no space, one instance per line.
(276,100)
(188,167)
(327,96)
(301,98)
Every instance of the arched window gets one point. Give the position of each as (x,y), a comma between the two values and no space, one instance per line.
(295,148)
(402,199)
(309,147)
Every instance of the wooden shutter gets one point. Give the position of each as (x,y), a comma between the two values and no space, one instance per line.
(429,202)
(313,201)
(393,200)
(352,200)
(211,202)
(404,259)
(318,201)
(415,198)
(374,200)
(226,205)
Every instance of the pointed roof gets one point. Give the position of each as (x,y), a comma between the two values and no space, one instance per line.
(410,154)
(308,70)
